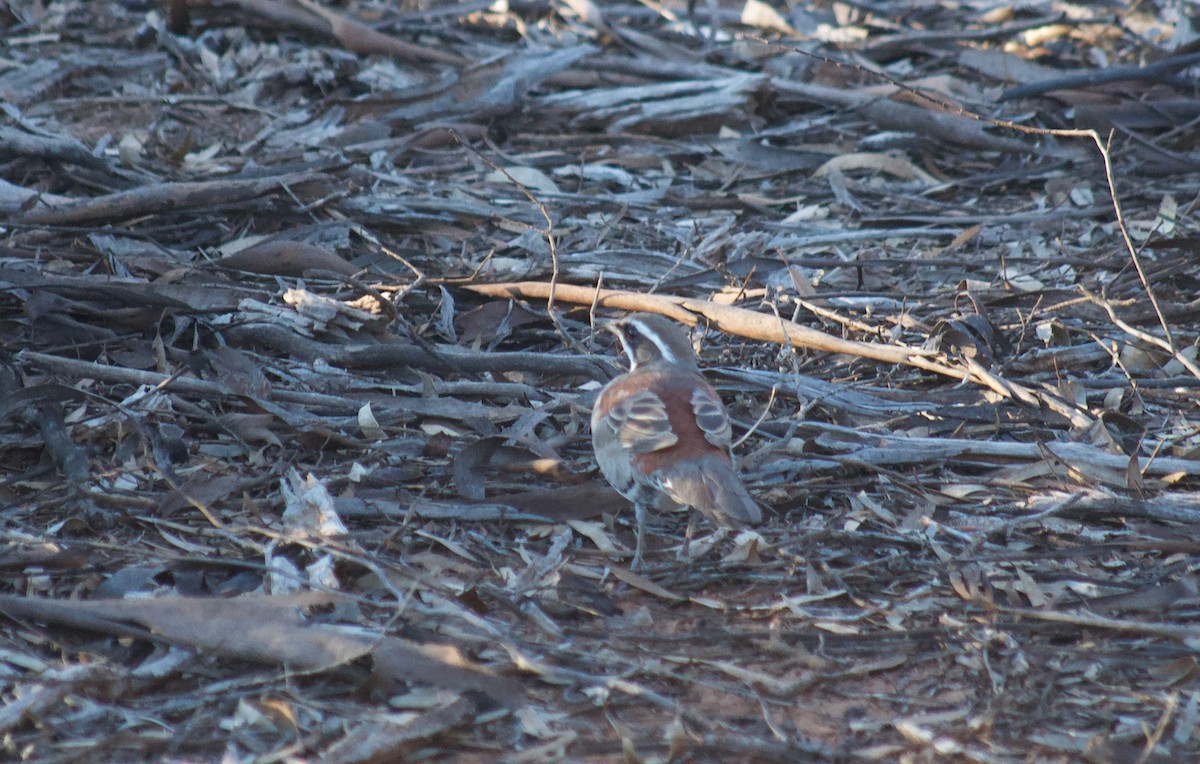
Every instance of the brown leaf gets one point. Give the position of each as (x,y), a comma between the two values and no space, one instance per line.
(280,257)
(474,459)
(206,490)
(441,666)
(251,428)
(234,369)
(469,465)
(494,320)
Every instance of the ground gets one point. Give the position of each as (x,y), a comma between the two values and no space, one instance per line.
(299,351)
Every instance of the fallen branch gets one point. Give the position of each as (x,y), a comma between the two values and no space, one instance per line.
(399,357)
(160,197)
(1186,633)
(894,115)
(54,148)
(351,34)
(1165,507)
(1155,72)
(879,449)
(759,326)
(275,402)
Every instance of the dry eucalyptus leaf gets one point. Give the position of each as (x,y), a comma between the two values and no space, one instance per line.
(309,507)
(280,257)
(368,424)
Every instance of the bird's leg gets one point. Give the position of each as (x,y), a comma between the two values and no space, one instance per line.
(639,515)
(685,550)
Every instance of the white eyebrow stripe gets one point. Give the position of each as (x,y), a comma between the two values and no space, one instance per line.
(628,350)
(667,354)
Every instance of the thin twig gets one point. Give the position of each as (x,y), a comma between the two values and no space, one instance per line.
(762,418)
(1133,255)
(1009,526)
(420,281)
(1101,147)
(547,232)
(1160,728)
(1186,633)
(1146,337)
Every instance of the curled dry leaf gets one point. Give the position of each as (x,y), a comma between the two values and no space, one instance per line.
(308,507)
(892,165)
(368,424)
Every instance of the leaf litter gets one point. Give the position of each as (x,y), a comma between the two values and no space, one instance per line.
(299,361)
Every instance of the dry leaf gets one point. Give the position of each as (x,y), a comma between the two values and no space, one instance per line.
(308,507)
(280,257)
(892,165)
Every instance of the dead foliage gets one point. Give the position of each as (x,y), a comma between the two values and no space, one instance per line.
(297,365)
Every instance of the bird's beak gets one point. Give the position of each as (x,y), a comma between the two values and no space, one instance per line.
(609,325)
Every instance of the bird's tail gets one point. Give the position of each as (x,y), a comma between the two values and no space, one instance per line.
(711,486)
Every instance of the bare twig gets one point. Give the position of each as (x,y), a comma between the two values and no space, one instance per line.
(753,325)
(1101,146)
(1146,337)
(547,232)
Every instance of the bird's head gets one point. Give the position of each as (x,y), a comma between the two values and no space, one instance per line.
(648,338)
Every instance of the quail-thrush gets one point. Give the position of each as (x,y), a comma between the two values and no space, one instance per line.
(660,431)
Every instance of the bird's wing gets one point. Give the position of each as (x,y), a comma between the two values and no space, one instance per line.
(641,423)
(711,417)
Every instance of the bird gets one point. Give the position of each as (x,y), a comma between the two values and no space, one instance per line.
(660,432)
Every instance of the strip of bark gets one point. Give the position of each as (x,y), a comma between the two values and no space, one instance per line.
(159,198)
(894,115)
(351,34)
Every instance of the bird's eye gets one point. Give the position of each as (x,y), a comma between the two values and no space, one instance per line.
(632,332)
